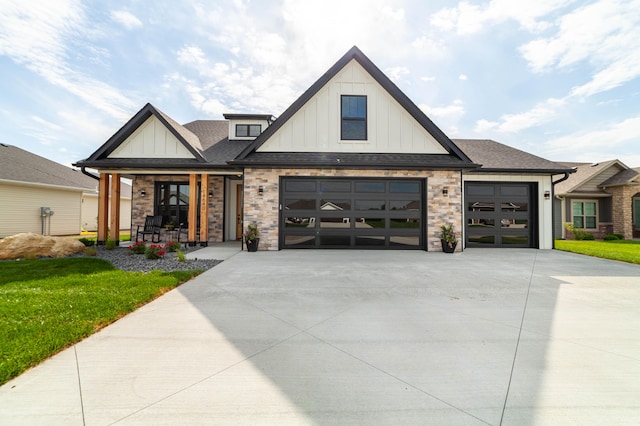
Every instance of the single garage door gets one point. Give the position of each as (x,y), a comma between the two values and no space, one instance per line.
(500,214)
(351,213)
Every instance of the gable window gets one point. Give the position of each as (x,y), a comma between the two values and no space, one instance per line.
(248,130)
(353,110)
(584,214)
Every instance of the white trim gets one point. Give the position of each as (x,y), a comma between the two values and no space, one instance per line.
(586,200)
(46,185)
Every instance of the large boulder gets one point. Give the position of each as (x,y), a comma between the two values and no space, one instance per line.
(29,244)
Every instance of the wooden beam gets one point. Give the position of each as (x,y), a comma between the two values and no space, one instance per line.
(103,208)
(193,208)
(114,225)
(204,209)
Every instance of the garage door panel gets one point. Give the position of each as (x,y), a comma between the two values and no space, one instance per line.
(340,212)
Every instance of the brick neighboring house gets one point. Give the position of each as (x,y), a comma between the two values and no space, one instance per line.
(601,198)
(352,163)
(29,182)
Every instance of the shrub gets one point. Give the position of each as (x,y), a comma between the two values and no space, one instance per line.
(181,256)
(620,236)
(88,242)
(91,251)
(587,236)
(612,237)
(578,233)
(110,244)
(173,246)
(155,251)
(137,248)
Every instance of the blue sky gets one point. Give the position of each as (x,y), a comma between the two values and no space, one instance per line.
(557,78)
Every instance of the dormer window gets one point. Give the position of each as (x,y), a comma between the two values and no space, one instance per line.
(353,110)
(248,130)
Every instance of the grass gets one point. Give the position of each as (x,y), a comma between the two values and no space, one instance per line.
(623,250)
(47,305)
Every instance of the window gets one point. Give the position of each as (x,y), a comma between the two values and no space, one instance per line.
(172,203)
(584,214)
(354,117)
(248,130)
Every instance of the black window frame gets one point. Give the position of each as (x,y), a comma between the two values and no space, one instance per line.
(180,214)
(247,130)
(351,119)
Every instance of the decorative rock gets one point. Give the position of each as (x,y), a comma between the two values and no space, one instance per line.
(29,244)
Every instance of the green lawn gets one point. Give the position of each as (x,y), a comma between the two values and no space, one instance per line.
(47,305)
(623,250)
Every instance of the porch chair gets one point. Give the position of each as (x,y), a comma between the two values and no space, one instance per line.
(152,226)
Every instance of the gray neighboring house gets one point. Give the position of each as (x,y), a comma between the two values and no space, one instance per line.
(601,198)
(32,187)
(352,163)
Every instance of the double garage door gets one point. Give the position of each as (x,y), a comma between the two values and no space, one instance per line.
(352,213)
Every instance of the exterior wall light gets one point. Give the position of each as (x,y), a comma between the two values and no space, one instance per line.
(143,193)
(547,195)
(260,190)
(210,194)
(445,191)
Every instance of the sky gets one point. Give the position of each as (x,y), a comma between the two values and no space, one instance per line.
(556,78)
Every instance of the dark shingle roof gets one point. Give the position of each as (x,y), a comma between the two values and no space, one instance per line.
(497,157)
(23,166)
(583,173)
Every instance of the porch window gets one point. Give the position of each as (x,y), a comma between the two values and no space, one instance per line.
(172,203)
(585,214)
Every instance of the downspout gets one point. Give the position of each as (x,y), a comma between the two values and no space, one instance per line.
(553,197)
(84,172)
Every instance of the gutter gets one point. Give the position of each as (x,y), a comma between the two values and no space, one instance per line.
(84,172)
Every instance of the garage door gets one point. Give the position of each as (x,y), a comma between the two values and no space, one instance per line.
(351,213)
(500,214)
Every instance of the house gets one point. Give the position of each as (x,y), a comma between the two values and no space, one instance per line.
(601,198)
(41,196)
(352,163)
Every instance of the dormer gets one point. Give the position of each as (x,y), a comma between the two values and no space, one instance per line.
(247,127)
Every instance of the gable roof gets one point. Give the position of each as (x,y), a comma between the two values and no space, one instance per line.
(497,157)
(250,156)
(207,140)
(18,165)
(584,172)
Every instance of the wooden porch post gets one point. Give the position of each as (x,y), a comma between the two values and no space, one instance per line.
(103,208)
(193,208)
(115,208)
(204,210)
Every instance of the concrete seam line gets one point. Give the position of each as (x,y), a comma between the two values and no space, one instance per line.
(75,351)
(515,352)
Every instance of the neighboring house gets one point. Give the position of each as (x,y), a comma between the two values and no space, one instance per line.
(31,187)
(601,198)
(352,163)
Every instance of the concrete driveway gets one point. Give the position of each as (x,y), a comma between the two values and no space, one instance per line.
(511,337)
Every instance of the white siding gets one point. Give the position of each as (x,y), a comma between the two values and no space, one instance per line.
(90,212)
(151,140)
(545,217)
(316,126)
(20,210)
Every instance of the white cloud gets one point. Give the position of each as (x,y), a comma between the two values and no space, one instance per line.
(604,34)
(126,18)
(446,117)
(463,77)
(396,73)
(428,78)
(513,123)
(39,35)
(610,139)
(467,18)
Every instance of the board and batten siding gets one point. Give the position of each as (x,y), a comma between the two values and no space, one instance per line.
(20,209)
(316,126)
(151,140)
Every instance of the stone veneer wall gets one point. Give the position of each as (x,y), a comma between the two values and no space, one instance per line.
(622,201)
(263,210)
(143,206)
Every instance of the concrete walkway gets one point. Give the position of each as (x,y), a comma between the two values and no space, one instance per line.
(511,337)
